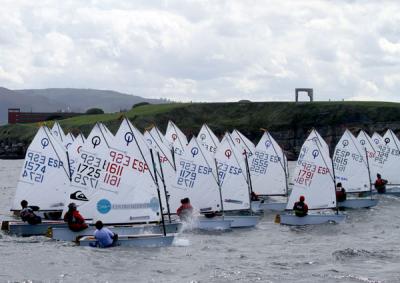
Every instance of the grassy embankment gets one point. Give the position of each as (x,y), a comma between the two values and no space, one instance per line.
(246,117)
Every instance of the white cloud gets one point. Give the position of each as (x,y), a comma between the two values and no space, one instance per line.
(204,50)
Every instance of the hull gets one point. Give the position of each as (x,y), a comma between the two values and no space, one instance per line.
(274,206)
(24,229)
(143,241)
(242,221)
(65,234)
(288,219)
(213,224)
(357,203)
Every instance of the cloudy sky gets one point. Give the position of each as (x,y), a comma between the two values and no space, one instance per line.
(204,50)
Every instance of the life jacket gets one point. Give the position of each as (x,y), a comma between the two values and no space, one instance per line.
(26,214)
(300,209)
(185,210)
(380,185)
(75,221)
(341,195)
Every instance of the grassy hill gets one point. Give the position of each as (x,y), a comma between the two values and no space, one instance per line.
(288,122)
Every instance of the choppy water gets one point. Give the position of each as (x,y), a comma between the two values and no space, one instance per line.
(365,248)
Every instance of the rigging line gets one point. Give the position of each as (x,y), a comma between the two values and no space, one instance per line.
(160,149)
(211,136)
(241,138)
(104,137)
(394,139)
(273,147)
(355,145)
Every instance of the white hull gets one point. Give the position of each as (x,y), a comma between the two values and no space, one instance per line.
(289,219)
(243,221)
(65,234)
(358,203)
(143,241)
(273,206)
(20,228)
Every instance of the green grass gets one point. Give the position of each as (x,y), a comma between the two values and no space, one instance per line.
(246,117)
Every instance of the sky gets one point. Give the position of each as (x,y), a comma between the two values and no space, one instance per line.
(204,50)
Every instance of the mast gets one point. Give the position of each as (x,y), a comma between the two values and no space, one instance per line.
(158,192)
(219,187)
(248,181)
(165,187)
(369,172)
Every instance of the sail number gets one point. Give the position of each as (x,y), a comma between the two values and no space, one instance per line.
(35,166)
(224,169)
(341,159)
(189,172)
(89,170)
(259,163)
(307,173)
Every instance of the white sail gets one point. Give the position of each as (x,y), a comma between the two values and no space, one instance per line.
(107,133)
(68,140)
(243,142)
(208,139)
(268,167)
(388,156)
(232,177)
(313,176)
(45,175)
(176,138)
(350,164)
(196,179)
(58,132)
(366,142)
(136,198)
(73,152)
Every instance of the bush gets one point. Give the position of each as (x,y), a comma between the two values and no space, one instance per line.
(140,104)
(93,111)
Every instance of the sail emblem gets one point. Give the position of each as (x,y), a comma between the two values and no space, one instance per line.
(387,140)
(194,151)
(203,137)
(362,142)
(315,153)
(44,142)
(228,153)
(149,141)
(68,144)
(267,144)
(237,140)
(376,141)
(103,206)
(55,132)
(79,149)
(128,138)
(78,195)
(96,141)
(345,143)
(174,136)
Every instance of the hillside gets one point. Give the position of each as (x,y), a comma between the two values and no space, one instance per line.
(288,122)
(67,99)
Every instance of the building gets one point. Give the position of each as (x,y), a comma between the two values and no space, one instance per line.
(16,116)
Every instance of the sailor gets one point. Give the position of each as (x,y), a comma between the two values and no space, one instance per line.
(340,193)
(104,236)
(254,196)
(27,214)
(300,208)
(185,211)
(380,184)
(75,220)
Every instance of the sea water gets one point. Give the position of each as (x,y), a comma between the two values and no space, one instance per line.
(365,248)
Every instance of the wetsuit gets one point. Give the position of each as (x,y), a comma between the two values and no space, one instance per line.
(300,209)
(380,186)
(75,221)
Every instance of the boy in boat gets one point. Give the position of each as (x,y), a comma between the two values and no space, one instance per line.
(340,193)
(380,184)
(75,220)
(185,211)
(300,208)
(27,214)
(105,237)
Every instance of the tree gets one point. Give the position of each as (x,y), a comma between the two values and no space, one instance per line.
(93,111)
(140,104)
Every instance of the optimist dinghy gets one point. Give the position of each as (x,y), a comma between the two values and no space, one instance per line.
(268,171)
(313,178)
(143,241)
(196,179)
(352,170)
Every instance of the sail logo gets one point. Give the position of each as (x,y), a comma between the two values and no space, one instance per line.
(387,140)
(44,142)
(96,141)
(194,151)
(203,137)
(174,137)
(237,140)
(315,153)
(228,153)
(362,142)
(103,206)
(267,144)
(128,138)
(376,141)
(78,195)
(345,143)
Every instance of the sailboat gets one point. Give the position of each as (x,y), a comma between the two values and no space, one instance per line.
(235,184)
(268,171)
(43,183)
(176,138)
(313,178)
(113,183)
(352,170)
(196,179)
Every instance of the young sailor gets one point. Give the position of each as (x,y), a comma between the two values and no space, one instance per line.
(185,211)
(380,184)
(300,208)
(27,214)
(104,236)
(340,193)
(75,220)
